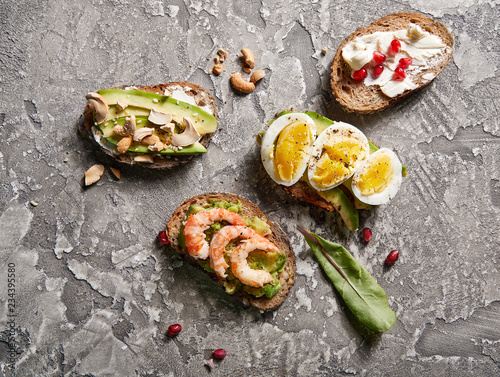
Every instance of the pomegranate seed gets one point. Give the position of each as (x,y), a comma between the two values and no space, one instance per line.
(173,330)
(378,57)
(394,47)
(367,234)
(405,62)
(360,74)
(220,353)
(399,74)
(162,236)
(392,257)
(377,70)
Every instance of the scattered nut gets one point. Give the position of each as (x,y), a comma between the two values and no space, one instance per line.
(257,75)
(144,158)
(33,203)
(124,144)
(128,127)
(241,85)
(248,57)
(141,133)
(116,172)
(93,174)
(156,147)
(223,55)
(100,106)
(150,140)
(217,69)
(120,105)
(246,68)
(159,118)
(217,60)
(324,51)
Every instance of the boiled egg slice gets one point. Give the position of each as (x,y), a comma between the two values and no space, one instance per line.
(378,180)
(286,147)
(336,154)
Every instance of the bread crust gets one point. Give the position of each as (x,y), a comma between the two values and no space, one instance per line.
(357,97)
(201,97)
(278,237)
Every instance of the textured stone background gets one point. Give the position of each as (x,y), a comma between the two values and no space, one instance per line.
(95,293)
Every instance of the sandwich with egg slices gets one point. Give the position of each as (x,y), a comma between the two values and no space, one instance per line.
(382,63)
(159,126)
(230,239)
(328,164)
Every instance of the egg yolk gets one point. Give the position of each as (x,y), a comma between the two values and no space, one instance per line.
(376,176)
(336,162)
(292,149)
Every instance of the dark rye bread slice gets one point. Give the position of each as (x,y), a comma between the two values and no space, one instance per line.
(278,237)
(355,96)
(201,98)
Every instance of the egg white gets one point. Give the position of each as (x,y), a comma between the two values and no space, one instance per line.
(393,185)
(267,147)
(332,135)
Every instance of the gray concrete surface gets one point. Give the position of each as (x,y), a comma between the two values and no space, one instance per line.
(94,292)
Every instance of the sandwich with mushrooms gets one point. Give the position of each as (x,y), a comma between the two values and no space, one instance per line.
(161,126)
(230,239)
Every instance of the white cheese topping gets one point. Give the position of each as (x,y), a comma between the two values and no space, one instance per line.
(179,93)
(416,43)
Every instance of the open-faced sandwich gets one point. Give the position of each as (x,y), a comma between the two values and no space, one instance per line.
(382,63)
(331,165)
(158,127)
(230,239)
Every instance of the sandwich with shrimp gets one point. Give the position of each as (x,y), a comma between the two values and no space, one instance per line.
(230,239)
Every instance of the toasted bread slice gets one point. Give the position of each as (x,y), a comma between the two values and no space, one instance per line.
(201,98)
(278,237)
(355,96)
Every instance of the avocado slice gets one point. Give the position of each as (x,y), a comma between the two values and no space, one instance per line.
(343,205)
(203,121)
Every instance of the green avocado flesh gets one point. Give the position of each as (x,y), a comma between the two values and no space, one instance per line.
(139,103)
(113,139)
(272,262)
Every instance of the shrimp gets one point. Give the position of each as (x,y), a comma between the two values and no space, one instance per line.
(240,267)
(196,243)
(220,241)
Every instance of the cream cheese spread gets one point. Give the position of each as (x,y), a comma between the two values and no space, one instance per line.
(179,93)
(416,43)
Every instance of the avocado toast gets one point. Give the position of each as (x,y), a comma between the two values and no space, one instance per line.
(159,127)
(272,256)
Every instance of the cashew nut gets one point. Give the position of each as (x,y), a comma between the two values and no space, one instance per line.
(124,144)
(257,75)
(93,174)
(241,85)
(128,127)
(217,69)
(99,105)
(150,140)
(248,57)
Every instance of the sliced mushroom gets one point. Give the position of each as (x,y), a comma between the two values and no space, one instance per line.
(188,137)
(159,118)
(100,106)
(141,133)
(128,127)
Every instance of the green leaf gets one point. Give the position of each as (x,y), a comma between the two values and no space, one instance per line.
(364,297)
